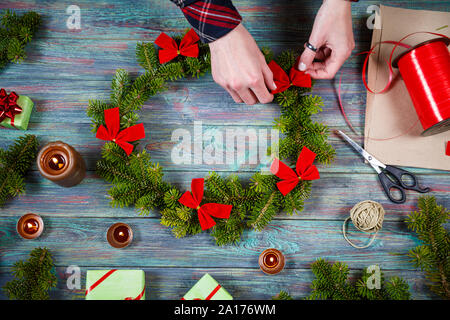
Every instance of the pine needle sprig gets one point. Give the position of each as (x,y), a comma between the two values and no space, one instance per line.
(15,32)
(137,181)
(14,164)
(32,278)
(433,255)
(332,283)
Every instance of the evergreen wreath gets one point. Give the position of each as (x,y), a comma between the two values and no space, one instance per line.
(15,32)
(137,181)
(14,164)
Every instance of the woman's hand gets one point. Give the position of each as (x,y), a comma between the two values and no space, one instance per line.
(332,35)
(240,68)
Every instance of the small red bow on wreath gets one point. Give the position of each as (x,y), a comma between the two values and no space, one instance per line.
(305,171)
(284,82)
(170,50)
(206,211)
(8,106)
(112,131)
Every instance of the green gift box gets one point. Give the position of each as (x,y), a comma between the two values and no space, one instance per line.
(19,120)
(207,289)
(115,285)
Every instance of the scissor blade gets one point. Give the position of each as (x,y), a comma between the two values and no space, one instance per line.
(371,159)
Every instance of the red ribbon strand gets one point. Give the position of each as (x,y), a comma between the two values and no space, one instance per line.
(283,81)
(8,106)
(206,211)
(426,73)
(170,49)
(122,138)
(304,170)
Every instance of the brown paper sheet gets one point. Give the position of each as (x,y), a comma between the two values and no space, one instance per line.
(392,113)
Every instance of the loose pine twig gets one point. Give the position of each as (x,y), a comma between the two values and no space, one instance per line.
(32,278)
(14,164)
(15,32)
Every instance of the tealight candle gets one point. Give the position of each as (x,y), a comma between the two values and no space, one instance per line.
(119,235)
(61,163)
(30,226)
(271,261)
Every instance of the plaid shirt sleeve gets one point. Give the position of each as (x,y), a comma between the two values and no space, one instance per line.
(211,19)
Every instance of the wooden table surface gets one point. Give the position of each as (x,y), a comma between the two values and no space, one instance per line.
(65,68)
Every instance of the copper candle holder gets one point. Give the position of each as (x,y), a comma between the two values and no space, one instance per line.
(271,261)
(119,235)
(30,226)
(61,163)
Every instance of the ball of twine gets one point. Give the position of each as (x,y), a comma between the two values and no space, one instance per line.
(367,216)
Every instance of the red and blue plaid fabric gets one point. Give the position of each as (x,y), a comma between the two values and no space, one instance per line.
(211,19)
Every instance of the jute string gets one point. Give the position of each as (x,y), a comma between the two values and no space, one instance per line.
(367,216)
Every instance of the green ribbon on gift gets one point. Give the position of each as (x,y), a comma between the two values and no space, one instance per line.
(207,289)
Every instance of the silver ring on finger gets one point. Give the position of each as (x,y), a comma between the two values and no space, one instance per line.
(310,46)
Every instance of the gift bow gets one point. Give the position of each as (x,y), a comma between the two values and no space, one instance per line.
(112,131)
(206,211)
(304,167)
(170,49)
(283,81)
(8,106)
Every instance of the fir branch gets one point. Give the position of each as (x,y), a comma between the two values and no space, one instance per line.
(32,278)
(282,295)
(15,32)
(14,164)
(332,283)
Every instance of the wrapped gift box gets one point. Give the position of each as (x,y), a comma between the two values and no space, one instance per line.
(115,285)
(207,289)
(22,118)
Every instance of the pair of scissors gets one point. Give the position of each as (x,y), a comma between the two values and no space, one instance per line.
(391,178)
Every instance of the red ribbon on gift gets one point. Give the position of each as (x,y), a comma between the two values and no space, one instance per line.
(104,277)
(8,106)
(304,168)
(112,131)
(170,49)
(206,211)
(210,295)
(283,81)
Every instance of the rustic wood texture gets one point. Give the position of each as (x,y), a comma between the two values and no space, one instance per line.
(65,69)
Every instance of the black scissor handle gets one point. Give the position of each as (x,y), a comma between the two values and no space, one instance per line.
(389,185)
(400,173)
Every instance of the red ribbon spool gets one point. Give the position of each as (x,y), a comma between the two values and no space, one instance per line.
(425,69)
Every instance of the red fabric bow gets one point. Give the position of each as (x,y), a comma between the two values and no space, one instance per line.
(170,50)
(206,211)
(305,171)
(283,81)
(112,133)
(8,106)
